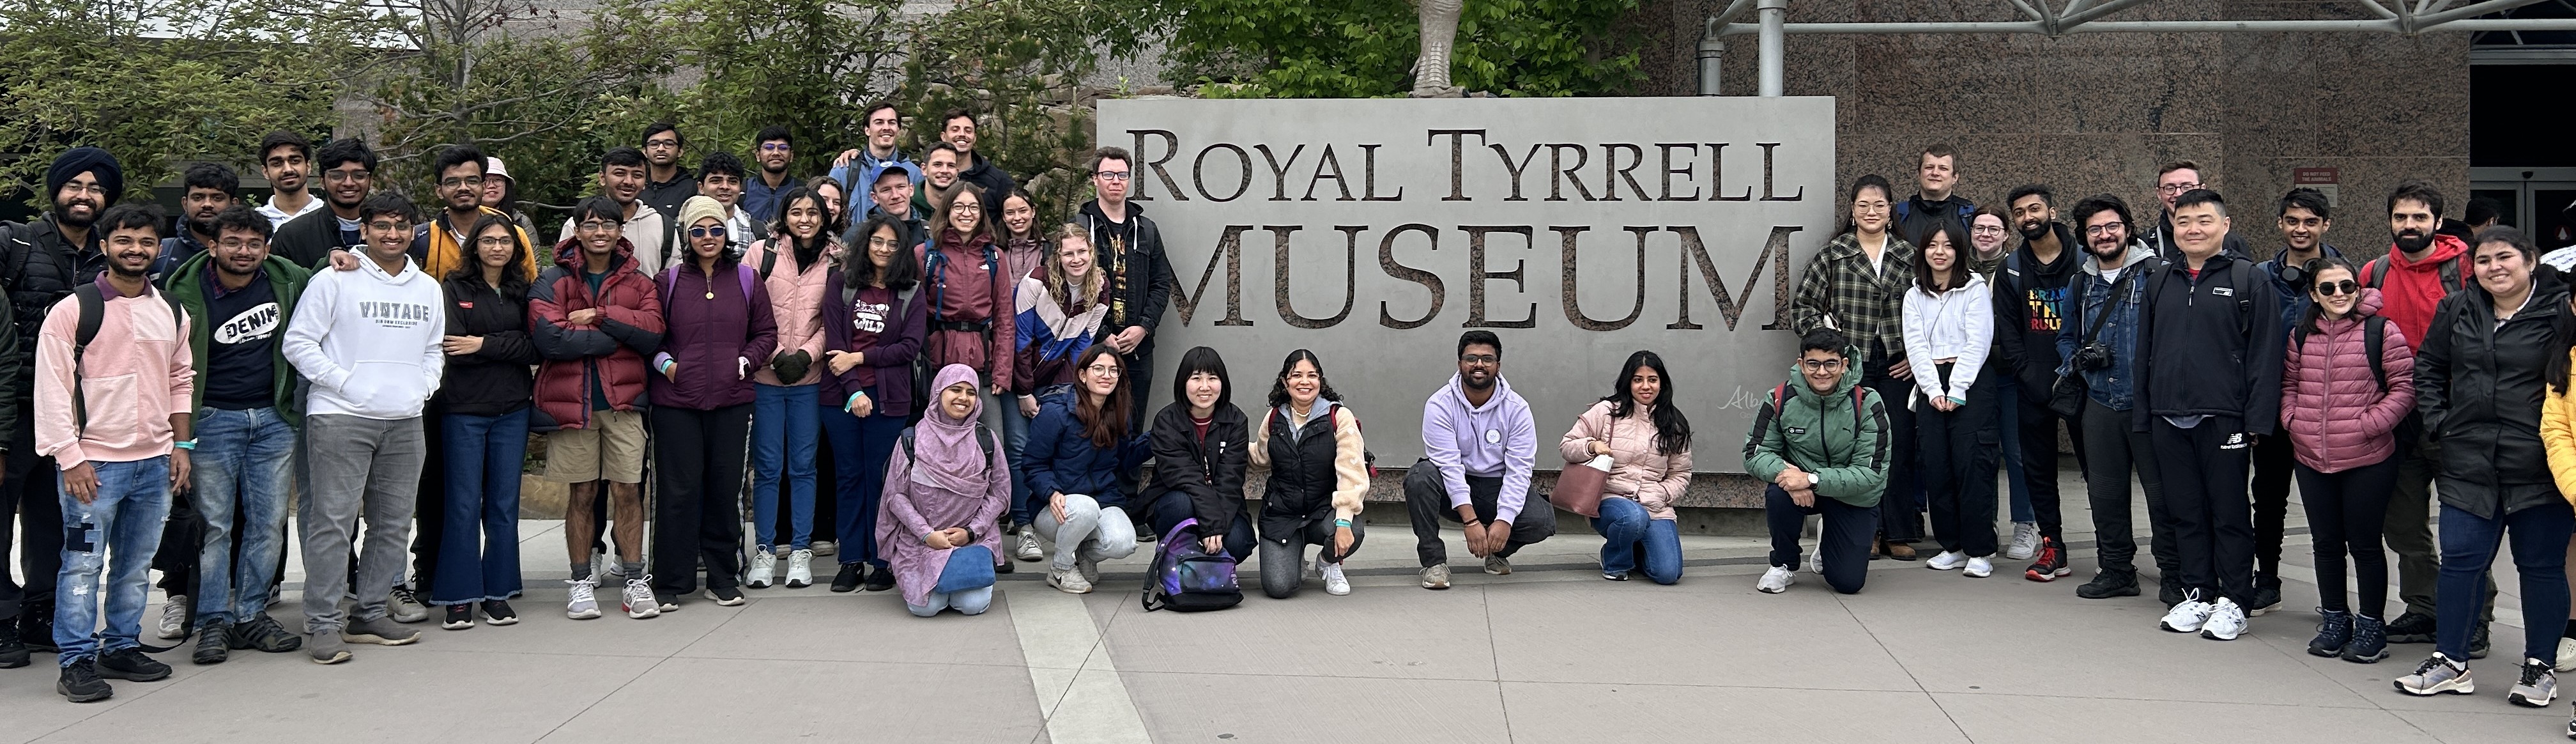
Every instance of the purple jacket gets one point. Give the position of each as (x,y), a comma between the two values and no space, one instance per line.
(709,337)
(890,355)
(1498,440)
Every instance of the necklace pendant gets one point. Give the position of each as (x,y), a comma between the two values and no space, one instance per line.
(711,295)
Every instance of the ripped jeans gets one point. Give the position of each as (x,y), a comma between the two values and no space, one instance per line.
(123,520)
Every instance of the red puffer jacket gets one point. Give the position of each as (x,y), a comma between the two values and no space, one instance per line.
(2330,402)
(612,346)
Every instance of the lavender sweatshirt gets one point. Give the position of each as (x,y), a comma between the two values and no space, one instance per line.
(1497,440)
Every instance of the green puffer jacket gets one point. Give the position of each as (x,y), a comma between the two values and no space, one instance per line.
(1840,439)
(187,285)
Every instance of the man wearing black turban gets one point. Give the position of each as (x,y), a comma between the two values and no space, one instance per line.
(40,263)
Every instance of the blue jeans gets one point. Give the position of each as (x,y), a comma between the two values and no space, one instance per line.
(783,427)
(1625,526)
(2008,389)
(2540,535)
(860,448)
(240,465)
(125,519)
(478,555)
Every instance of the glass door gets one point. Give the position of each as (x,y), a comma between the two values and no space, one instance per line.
(2542,201)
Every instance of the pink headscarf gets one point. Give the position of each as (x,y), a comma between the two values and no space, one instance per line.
(945,453)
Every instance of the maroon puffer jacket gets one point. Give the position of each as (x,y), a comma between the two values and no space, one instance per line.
(612,346)
(2330,402)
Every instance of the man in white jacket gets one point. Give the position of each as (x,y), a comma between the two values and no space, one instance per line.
(368,341)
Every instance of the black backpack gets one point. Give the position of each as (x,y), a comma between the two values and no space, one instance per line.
(2452,273)
(2374,332)
(93,312)
(983,436)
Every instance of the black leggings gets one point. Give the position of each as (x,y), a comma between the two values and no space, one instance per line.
(2346,512)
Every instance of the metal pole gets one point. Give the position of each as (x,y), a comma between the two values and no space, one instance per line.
(1989,27)
(1710,50)
(1775,18)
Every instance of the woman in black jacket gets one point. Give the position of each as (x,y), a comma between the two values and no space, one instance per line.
(484,431)
(1200,456)
(2480,378)
(1318,471)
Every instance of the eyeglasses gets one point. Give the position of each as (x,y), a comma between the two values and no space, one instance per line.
(2175,188)
(875,242)
(1986,230)
(495,241)
(965,205)
(1112,175)
(598,226)
(2330,289)
(449,183)
(717,231)
(1102,370)
(776,147)
(1821,365)
(2105,229)
(1481,358)
(238,244)
(389,226)
(345,176)
(661,143)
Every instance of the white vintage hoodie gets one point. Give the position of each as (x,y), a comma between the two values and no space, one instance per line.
(369,341)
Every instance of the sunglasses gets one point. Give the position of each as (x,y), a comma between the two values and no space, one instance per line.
(2331,289)
(717,231)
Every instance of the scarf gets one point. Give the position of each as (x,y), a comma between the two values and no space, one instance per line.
(945,453)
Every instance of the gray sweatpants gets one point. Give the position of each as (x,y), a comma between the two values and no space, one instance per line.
(356,463)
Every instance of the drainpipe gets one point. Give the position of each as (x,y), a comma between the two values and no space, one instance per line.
(1710,50)
(1775,15)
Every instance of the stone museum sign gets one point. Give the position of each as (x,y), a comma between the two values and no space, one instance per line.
(1579,230)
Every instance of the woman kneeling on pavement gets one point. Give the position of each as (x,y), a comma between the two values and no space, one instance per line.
(1317,467)
(1648,442)
(1079,452)
(2340,408)
(1199,459)
(946,486)
(1822,442)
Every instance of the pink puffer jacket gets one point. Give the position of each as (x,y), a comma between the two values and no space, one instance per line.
(2330,402)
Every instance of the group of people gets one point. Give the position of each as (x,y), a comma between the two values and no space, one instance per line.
(1937,351)
(984,386)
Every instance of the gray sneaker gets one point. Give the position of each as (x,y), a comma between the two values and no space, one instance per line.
(380,631)
(2538,686)
(584,602)
(405,605)
(1498,565)
(327,648)
(1090,568)
(1435,576)
(2437,675)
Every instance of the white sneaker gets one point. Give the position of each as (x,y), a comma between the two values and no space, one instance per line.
(1776,580)
(1979,567)
(639,598)
(1334,582)
(1816,561)
(764,565)
(800,569)
(584,604)
(2566,655)
(2188,616)
(2025,541)
(1948,560)
(174,617)
(1025,547)
(1068,580)
(2226,621)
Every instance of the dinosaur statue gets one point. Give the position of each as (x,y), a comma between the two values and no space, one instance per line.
(1439,20)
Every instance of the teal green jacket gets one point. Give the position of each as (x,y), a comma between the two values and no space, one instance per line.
(188,286)
(1840,437)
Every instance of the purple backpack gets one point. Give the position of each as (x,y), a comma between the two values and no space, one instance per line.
(1186,578)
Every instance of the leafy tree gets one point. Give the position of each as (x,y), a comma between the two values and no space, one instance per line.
(1366,48)
(1013,63)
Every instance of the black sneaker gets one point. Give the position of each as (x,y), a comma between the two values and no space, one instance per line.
(459,617)
(1004,568)
(2267,596)
(725,596)
(498,612)
(13,652)
(2412,627)
(848,579)
(80,684)
(2169,591)
(214,643)
(880,579)
(131,665)
(2369,642)
(2109,584)
(2478,642)
(264,634)
(36,626)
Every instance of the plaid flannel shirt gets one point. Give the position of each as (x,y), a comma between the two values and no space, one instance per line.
(1840,291)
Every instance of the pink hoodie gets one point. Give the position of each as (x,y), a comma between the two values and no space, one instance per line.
(2330,401)
(136,373)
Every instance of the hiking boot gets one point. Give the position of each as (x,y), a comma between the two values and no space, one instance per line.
(2411,627)
(2438,675)
(2051,565)
(2226,621)
(2334,631)
(131,665)
(584,604)
(2369,641)
(1435,576)
(2267,596)
(214,644)
(1900,551)
(764,565)
(174,618)
(800,569)
(498,612)
(405,605)
(459,617)
(2108,584)
(1068,580)
(2025,541)
(326,647)
(13,652)
(262,633)
(2537,688)
(880,579)
(2188,616)
(848,579)
(80,684)
(1498,565)
(1776,580)
(638,599)
(380,631)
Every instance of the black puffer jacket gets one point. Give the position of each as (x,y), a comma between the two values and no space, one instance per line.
(2479,388)
(497,379)
(1302,475)
(1208,472)
(41,268)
